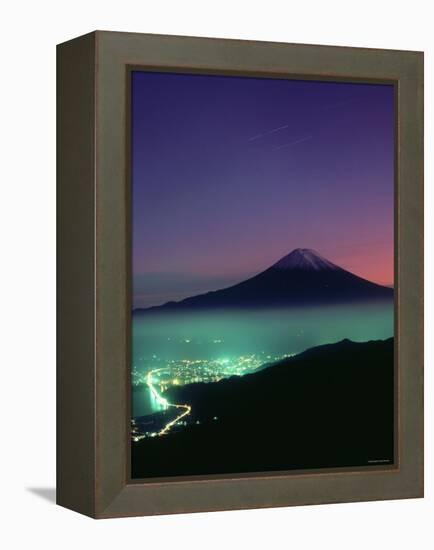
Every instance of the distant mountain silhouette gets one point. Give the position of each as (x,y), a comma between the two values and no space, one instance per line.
(303,277)
(330,406)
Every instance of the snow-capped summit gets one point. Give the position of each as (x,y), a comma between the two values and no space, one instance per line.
(305,259)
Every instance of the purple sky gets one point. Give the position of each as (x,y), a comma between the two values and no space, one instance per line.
(230,174)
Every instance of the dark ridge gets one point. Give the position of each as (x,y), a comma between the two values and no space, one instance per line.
(330,406)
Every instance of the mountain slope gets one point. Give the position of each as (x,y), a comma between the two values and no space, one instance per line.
(331,406)
(303,277)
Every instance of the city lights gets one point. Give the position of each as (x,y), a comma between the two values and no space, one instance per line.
(160,374)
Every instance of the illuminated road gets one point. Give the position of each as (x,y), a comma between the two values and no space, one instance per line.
(186,409)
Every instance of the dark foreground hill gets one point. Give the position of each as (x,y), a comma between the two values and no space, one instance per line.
(331,406)
(303,277)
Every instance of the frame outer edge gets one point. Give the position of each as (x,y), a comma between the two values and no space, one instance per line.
(75,409)
(411,275)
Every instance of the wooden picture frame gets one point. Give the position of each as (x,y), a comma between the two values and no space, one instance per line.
(94,300)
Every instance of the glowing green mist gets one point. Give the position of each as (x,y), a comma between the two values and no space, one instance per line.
(263,336)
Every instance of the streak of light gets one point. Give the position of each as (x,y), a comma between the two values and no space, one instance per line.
(186,409)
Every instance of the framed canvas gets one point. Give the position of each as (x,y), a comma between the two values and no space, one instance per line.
(240,274)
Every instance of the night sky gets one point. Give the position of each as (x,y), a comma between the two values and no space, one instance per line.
(230,174)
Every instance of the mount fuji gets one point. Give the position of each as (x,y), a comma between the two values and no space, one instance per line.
(302,277)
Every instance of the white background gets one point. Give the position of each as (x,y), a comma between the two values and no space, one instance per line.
(29,32)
